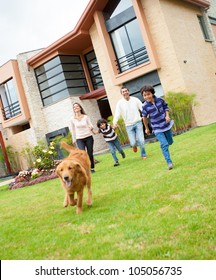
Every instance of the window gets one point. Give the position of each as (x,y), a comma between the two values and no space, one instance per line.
(94,70)
(115,7)
(126,36)
(61,77)
(9,100)
(213,25)
(203,27)
(129,46)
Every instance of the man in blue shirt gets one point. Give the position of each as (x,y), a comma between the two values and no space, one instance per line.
(158,112)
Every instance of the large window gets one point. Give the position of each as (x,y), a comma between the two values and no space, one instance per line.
(61,77)
(124,30)
(9,100)
(94,70)
(115,7)
(129,46)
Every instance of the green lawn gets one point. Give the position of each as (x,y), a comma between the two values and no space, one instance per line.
(140,209)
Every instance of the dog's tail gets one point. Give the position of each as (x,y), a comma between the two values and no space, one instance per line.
(66,146)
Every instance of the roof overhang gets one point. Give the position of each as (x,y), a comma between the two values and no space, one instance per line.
(95,94)
(201,3)
(75,41)
(79,39)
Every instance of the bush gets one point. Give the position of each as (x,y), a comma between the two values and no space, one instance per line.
(44,158)
(13,157)
(181,105)
(58,139)
(121,130)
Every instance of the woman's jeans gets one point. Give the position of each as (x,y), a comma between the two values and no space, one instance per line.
(87,144)
(135,133)
(113,145)
(165,139)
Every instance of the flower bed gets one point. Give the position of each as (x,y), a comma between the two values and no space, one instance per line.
(31,177)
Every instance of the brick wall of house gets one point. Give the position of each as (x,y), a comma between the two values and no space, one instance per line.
(187,61)
(113,91)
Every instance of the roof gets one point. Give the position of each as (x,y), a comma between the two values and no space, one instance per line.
(79,39)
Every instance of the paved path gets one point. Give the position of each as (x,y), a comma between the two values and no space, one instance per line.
(7,182)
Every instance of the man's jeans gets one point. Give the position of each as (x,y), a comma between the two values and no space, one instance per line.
(113,145)
(165,139)
(135,133)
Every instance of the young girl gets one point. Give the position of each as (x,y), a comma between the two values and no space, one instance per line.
(81,132)
(158,112)
(111,138)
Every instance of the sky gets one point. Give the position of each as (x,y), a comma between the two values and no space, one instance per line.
(27,25)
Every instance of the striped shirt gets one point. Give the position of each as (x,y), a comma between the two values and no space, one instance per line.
(157,112)
(108,133)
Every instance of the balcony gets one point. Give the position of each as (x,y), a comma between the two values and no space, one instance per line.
(11,111)
(132,60)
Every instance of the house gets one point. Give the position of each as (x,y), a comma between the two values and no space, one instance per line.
(170,44)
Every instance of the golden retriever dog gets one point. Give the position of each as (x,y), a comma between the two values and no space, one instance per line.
(74,173)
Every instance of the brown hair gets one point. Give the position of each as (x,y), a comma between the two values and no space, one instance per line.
(82,110)
(123,87)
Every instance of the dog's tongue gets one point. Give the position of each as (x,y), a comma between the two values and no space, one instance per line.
(68,183)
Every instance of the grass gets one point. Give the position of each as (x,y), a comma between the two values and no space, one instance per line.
(140,209)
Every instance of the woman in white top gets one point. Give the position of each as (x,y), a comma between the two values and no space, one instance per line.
(81,132)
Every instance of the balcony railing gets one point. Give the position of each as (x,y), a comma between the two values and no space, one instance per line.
(11,111)
(132,60)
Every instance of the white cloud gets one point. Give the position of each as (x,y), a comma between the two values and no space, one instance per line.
(27,25)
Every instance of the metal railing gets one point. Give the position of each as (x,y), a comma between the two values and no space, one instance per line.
(11,110)
(132,60)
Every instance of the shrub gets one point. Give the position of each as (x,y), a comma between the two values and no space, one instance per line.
(27,153)
(181,105)
(121,130)
(13,157)
(44,158)
(68,139)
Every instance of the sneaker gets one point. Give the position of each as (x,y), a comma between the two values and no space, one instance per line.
(134,149)
(116,164)
(144,158)
(123,154)
(170,166)
(92,170)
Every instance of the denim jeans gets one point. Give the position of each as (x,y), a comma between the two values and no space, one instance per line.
(87,143)
(113,145)
(165,139)
(135,133)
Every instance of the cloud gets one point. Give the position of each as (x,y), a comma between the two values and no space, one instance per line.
(27,25)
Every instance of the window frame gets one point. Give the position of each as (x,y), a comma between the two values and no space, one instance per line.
(204,28)
(54,94)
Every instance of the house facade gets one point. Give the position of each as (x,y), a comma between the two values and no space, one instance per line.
(170,44)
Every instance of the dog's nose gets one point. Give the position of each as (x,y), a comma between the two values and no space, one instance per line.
(66,178)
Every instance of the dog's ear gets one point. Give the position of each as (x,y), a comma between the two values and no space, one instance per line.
(57,170)
(79,167)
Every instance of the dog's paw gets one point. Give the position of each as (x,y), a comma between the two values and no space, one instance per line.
(73,203)
(65,204)
(79,210)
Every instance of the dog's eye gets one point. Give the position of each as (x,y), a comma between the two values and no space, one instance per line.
(69,168)
(61,169)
